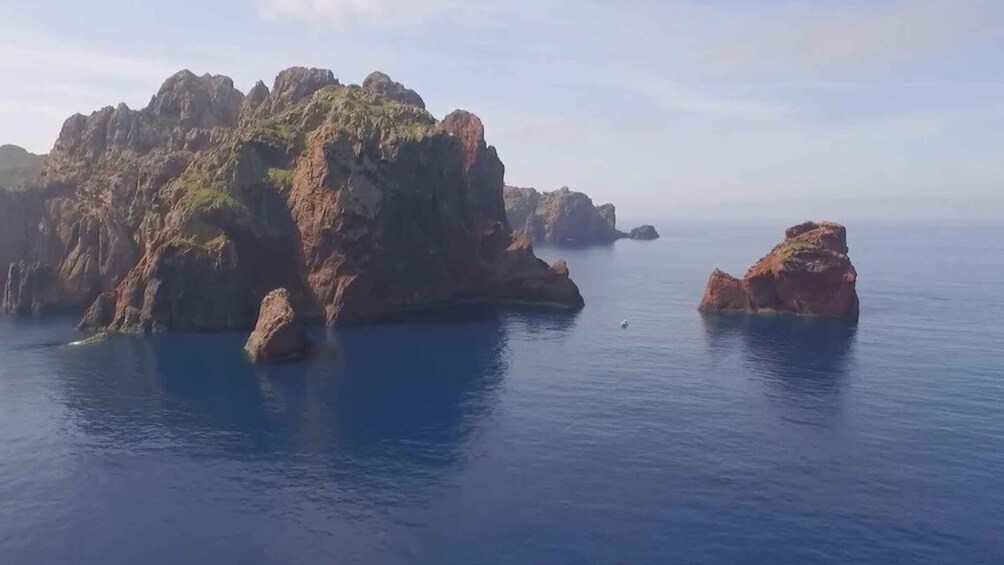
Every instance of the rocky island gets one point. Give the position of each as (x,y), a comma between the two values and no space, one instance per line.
(564,216)
(183,215)
(808,274)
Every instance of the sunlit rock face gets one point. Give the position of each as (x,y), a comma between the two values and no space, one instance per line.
(183,215)
(808,274)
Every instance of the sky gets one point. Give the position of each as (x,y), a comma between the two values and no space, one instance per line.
(729,108)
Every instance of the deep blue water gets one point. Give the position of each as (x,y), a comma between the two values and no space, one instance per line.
(537,438)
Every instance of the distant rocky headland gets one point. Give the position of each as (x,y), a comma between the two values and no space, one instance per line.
(18,166)
(183,215)
(566,217)
(808,274)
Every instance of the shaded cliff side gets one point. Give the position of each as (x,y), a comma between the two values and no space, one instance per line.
(18,166)
(183,215)
(808,274)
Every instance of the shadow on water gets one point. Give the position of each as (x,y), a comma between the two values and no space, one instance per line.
(543,325)
(377,402)
(793,355)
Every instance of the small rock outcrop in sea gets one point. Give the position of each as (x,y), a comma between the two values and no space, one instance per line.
(646,232)
(808,274)
(279,333)
(182,215)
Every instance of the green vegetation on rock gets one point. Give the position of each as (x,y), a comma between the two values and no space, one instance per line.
(366,115)
(280,178)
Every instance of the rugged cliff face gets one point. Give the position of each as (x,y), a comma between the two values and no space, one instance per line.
(561,216)
(18,166)
(808,274)
(183,215)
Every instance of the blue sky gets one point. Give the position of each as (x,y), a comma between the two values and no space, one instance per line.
(726,108)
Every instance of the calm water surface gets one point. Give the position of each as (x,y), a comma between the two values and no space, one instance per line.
(533,438)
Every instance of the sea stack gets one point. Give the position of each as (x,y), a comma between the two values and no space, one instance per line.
(645,233)
(808,274)
(279,334)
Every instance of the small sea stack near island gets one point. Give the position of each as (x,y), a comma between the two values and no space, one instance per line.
(808,274)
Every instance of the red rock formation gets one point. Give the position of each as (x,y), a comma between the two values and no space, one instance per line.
(279,333)
(181,216)
(808,274)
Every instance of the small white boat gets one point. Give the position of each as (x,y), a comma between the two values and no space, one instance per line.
(624,324)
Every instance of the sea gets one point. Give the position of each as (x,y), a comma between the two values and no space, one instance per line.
(528,437)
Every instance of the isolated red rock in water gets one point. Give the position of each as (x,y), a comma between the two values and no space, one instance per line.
(808,274)
(279,333)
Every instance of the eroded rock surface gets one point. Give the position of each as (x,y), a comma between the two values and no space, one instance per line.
(808,274)
(562,216)
(18,166)
(31,288)
(383,85)
(279,332)
(183,215)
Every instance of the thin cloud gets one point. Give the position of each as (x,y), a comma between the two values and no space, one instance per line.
(851,35)
(340,13)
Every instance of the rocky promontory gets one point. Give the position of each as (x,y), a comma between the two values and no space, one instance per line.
(18,166)
(562,216)
(183,215)
(808,274)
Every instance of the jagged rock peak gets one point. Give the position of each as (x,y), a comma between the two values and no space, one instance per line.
(296,83)
(383,85)
(483,169)
(258,93)
(466,127)
(192,101)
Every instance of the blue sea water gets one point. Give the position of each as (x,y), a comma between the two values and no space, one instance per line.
(539,438)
